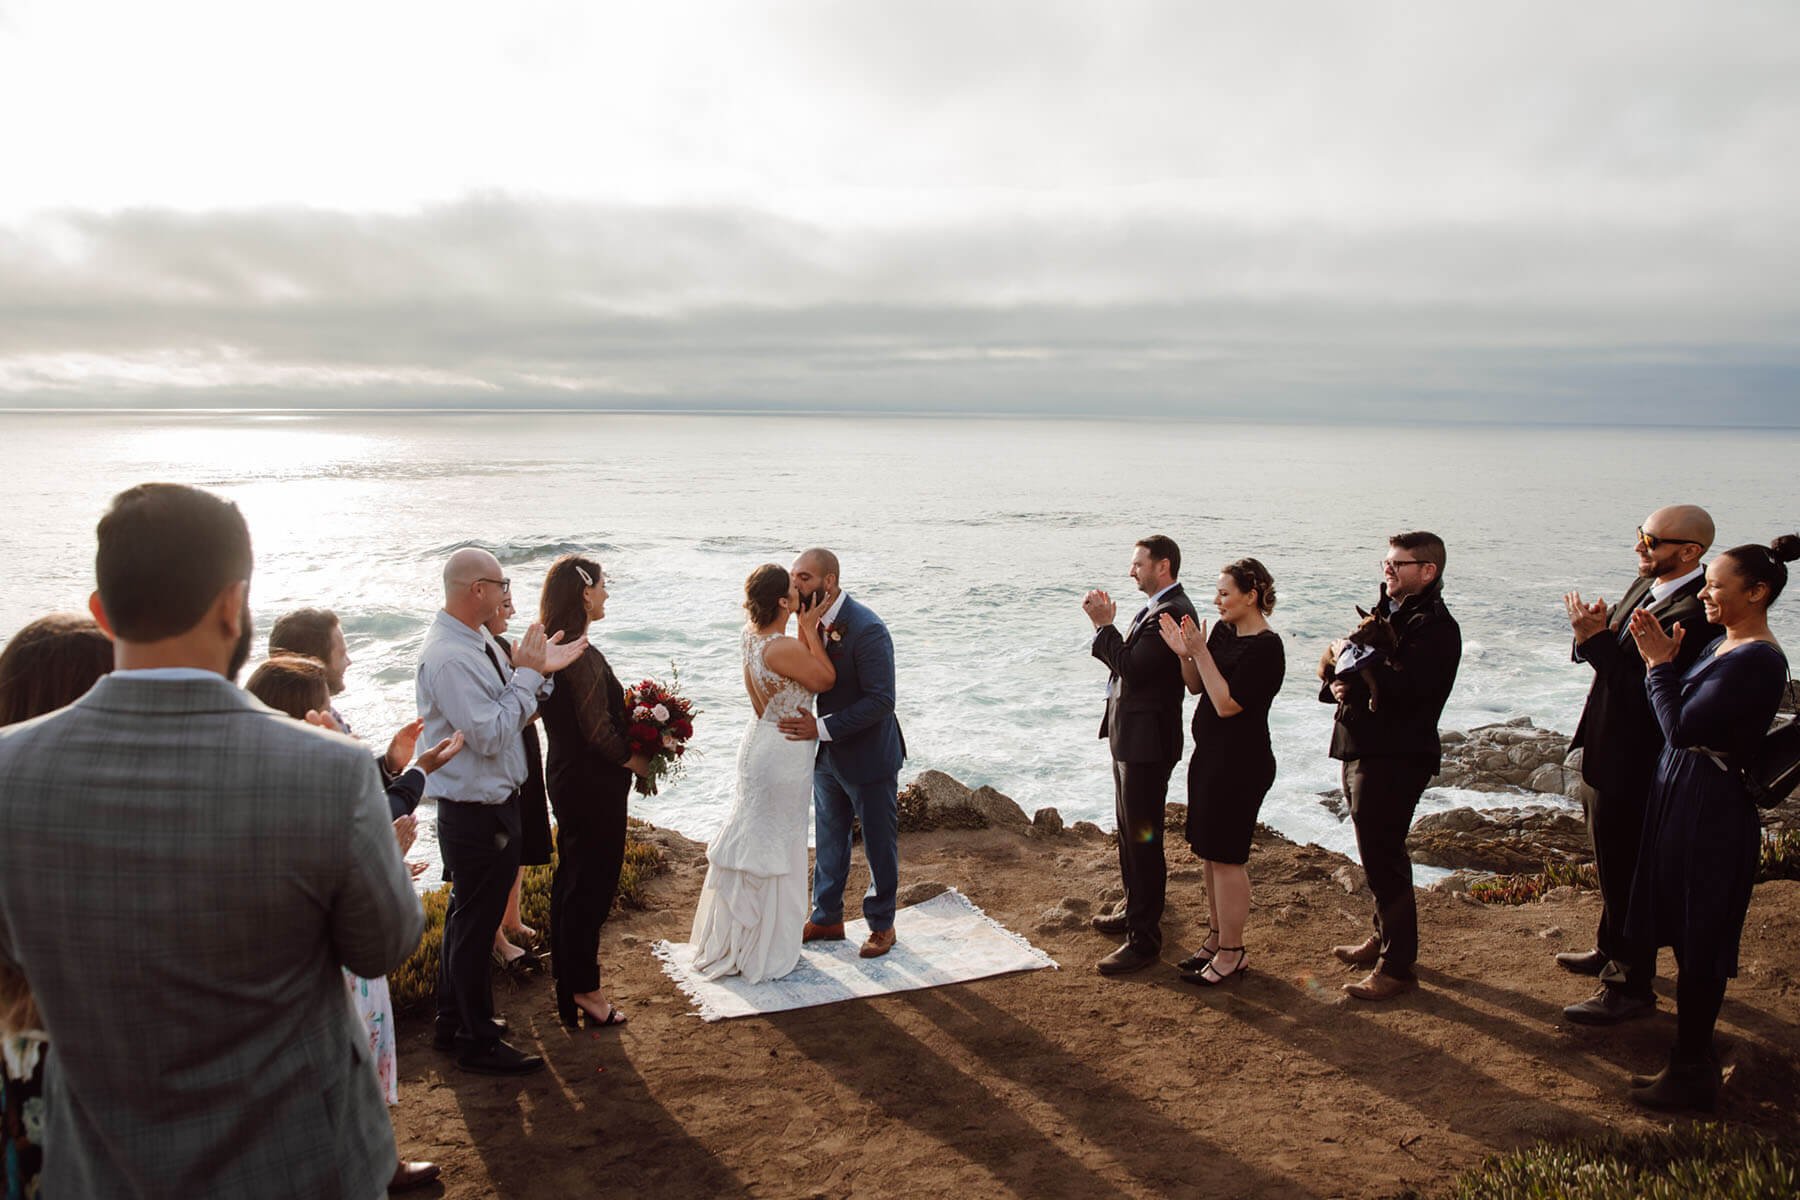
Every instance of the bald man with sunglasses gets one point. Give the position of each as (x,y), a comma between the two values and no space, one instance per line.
(1620,742)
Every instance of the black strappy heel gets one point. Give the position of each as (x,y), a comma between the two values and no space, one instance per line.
(1217,977)
(1202,956)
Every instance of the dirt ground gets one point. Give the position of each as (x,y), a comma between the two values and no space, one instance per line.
(1065,1083)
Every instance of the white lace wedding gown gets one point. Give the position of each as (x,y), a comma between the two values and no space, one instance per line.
(756,898)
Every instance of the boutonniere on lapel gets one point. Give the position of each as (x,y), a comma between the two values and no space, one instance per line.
(833,635)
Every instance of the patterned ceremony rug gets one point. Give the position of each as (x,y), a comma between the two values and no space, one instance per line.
(946,939)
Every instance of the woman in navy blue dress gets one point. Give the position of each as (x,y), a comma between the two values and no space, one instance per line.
(1702,835)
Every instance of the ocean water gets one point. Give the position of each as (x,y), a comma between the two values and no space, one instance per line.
(975,540)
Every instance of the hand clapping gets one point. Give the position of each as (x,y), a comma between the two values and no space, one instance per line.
(1585,619)
(544,655)
(1653,644)
(1187,639)
(1099,607)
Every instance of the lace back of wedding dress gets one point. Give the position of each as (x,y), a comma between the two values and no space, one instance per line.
(781,696)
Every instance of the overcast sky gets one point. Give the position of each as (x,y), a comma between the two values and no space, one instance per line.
(1473,211)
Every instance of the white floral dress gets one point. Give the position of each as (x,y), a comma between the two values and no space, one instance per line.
(375,1008)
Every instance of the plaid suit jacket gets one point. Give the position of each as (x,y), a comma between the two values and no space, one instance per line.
(182,873)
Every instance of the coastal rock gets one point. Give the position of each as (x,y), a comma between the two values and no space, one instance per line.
(1046,820)
(1504,841)
(999,809)
(1506,757)
(1459,882)
(934,800)
(1071,912)
(1351,878)
(919,893)
(1087,829)
(1334,803)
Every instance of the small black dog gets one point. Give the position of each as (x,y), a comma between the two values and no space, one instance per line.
(1371,642)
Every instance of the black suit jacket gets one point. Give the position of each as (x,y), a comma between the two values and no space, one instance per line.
(1142,722)
(1619,738)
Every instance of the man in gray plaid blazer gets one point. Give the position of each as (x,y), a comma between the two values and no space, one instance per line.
(182,874)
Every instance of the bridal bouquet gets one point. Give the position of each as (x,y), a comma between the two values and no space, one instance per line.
(661,722)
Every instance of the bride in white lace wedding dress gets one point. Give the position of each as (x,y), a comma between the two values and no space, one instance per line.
(754,903)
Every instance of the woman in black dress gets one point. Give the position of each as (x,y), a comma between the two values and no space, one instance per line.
(1702,834)
(589,778)
(1236,672)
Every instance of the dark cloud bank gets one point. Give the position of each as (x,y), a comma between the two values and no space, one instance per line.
(499,301)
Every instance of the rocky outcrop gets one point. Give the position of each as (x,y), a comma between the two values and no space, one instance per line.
(1510,757)
(1502,840)
(933,800)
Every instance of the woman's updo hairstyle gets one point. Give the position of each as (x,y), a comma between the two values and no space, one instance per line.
(1766,565)
(1252,576)
(764,591)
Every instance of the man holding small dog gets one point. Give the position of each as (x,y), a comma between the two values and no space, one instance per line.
(1390,750)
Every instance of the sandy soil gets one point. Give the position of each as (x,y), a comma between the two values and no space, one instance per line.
(1064,1083)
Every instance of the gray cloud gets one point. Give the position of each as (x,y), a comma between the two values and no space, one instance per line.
(501,300)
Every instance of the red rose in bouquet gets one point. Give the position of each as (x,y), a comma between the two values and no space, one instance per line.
(662,721)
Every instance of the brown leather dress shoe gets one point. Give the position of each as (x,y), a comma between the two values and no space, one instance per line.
(822,933)
(410,1175)
(1365,955)
(1376,986)
(1609,1006)
(879,943)
(1583,962)
(1126,959)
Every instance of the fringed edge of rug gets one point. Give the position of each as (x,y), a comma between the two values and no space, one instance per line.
(1020,938)
(665,953)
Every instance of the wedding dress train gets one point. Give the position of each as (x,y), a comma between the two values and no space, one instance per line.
(756,898)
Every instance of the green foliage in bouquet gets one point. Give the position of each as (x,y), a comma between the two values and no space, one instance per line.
(414,985)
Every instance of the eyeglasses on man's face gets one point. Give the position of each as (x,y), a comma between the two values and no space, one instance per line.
(505,584)
(1650,541)
(1394,564)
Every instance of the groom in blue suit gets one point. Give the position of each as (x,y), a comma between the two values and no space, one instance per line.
(856,774)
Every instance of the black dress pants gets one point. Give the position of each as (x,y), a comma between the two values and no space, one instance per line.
(590,851)
(1140,797)
(1383,792)
(480,845)
(1616,824)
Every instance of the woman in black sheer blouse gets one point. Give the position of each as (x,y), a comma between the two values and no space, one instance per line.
(589,778)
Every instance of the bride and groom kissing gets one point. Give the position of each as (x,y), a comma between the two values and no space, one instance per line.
(755,910)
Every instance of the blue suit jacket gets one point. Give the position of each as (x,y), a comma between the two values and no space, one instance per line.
(866,744)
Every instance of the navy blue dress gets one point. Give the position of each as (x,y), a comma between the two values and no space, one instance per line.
(1702,834)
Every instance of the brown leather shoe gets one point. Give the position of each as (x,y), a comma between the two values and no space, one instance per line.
(822,933)
(410,1175)
(1376,986)
(1365,955)
(879,943)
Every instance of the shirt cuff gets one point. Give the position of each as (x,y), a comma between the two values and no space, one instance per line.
(530,681)
(824,731)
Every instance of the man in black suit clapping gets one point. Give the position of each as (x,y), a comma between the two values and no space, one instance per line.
(1142,726)
(1620,742)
